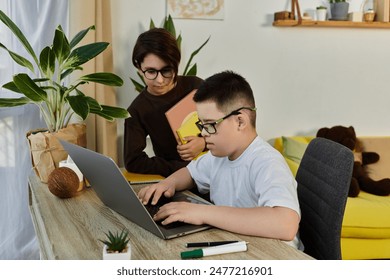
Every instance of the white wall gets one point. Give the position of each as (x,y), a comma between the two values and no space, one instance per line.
(303,78)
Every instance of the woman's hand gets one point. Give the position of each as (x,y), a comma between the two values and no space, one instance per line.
(194,146)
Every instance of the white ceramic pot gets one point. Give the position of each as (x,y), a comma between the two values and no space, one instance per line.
(117,256)
(321,14)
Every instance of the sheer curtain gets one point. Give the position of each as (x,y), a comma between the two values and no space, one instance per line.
(38,20)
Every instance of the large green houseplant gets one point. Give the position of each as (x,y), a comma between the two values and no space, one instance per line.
(189,69)
(47,84)
(45,87)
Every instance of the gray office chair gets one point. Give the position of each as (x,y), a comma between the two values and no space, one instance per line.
(323,178)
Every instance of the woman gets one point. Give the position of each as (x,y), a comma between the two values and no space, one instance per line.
(157,57)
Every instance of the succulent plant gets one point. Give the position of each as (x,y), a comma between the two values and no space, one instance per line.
(116,242)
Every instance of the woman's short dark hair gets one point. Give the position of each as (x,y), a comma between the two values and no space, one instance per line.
(159,42)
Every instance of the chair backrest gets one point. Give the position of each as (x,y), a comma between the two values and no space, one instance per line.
(323,178)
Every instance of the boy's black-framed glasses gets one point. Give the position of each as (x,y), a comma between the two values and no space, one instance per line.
(210,127)
(151,74)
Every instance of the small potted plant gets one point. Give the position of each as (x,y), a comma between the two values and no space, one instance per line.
(321,12)
(339,9)
(116,246)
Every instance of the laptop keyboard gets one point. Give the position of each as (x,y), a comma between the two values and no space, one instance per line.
(153,209)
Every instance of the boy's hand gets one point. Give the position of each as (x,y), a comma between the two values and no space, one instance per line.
(154,192)
(186,212)
(190,150)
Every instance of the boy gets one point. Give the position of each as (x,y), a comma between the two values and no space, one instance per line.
(253,191)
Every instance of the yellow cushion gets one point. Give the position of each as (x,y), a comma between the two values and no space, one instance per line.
(292,165)
(291,148)
(364,248)
(367,216)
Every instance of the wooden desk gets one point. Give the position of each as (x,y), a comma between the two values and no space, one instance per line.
(71,229)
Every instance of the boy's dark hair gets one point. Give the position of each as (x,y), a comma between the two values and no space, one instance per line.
(229,91)
(159,42)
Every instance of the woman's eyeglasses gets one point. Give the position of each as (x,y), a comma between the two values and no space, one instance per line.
(151,74)
(210,127)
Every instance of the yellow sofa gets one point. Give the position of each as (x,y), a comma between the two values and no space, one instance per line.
(366,224)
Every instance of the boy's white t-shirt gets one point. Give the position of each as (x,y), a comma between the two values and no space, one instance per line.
(259,177)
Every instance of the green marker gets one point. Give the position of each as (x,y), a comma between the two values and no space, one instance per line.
(217,250)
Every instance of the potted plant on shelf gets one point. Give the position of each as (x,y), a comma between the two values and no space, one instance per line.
(321,12)
(339,9)
(57,100)
(116,246)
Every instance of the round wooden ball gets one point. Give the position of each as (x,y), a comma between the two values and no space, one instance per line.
(63,182)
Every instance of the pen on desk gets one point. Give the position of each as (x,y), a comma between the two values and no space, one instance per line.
(209,244)
(239,246)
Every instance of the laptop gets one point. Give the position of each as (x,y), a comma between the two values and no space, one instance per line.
(115,191)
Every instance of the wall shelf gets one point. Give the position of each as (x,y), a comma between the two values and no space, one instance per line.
(331,23)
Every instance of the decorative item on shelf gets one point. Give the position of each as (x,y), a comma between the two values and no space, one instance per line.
(283,15)
(306,16)
(339,9)
(355,16)
(63,182)
(58,102)
(369,15)
(116,246)
(321,13)
(287,15)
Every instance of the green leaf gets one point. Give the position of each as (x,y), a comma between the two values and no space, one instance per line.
(178,41)
(192,71)
(61,46)
(138,86)
(79,105)
(79,36)
(115,112)
(19,34)
(110,113)
(193,55)
(29,88)
(66,73)
(170,26)
(151,24)
(13,102)
(19,59)
(85,53)
(47,60)
(103,78)
(93,104)
(11,86)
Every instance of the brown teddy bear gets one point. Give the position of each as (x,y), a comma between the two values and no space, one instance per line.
(360,179)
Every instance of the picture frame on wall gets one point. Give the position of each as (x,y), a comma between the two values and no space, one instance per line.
(196,9)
